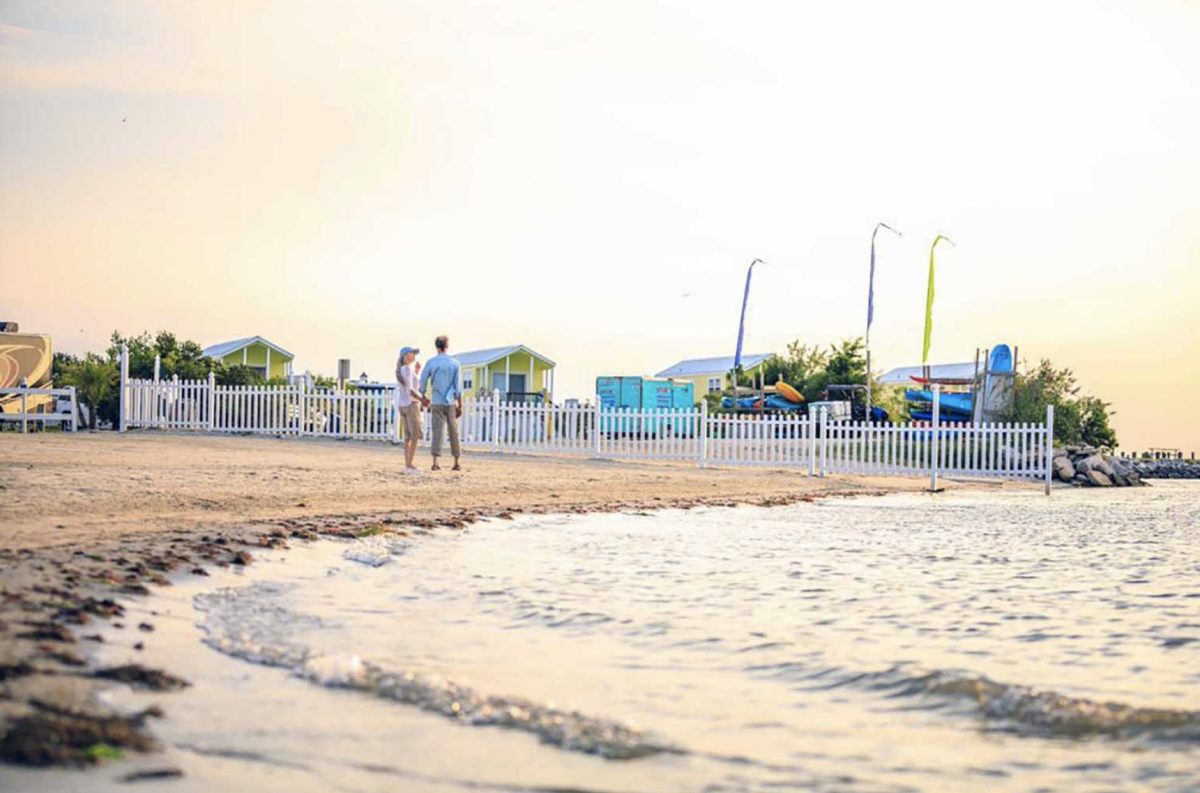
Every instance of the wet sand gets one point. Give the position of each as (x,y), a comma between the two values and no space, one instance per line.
(92,521)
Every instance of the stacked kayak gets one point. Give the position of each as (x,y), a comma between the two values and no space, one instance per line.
(772,402)
(954,407)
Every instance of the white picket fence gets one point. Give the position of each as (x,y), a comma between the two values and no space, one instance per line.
(17,406)
(812,444)
(1012,451)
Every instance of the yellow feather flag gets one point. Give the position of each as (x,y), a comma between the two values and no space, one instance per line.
(929,299)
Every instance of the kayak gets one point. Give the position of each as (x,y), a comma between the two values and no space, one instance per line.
(789,393)
(952,403)
(772,402)
(943,418)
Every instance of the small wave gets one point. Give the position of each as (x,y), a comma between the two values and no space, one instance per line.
(1052,713)
(1017,708)
(377,550)
(247,623)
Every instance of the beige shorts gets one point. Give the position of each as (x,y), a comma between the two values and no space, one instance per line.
(410,418)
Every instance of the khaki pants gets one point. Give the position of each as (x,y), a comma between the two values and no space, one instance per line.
(410,419)
(443,417)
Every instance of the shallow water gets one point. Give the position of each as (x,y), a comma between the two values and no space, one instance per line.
(961,642)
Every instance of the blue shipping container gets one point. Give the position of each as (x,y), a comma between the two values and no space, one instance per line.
(645,394)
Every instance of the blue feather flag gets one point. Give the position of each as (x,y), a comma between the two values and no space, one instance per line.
(871,283)
(737,356)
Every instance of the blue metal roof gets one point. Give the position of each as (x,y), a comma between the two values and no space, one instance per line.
(484,357)
(713,366)
(226,347)
(941,371)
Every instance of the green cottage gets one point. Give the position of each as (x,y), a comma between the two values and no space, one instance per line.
(517,372)
(269,360)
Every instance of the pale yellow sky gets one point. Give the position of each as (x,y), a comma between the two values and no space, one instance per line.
(348,178)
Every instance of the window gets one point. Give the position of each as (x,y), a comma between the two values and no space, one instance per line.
(714,384)
(468,379)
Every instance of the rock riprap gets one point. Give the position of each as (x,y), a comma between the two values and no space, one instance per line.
(1166,469)
(1086,466)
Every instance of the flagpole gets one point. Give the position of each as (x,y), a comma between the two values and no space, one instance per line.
(871,307)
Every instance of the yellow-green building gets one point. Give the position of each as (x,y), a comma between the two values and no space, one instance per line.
(711,375)
(269,360)
(516,371)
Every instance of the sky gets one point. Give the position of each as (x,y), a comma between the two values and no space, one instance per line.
(591,179)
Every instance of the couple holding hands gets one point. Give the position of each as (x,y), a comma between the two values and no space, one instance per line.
(444,374)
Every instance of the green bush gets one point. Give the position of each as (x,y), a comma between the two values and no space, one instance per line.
(1077,419)
(237,374)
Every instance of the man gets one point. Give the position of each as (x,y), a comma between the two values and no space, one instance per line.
(446,375)
(409,401)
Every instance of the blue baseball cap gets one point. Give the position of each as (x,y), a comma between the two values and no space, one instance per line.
(407,350)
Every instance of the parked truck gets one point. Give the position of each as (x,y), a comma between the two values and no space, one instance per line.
(642,395)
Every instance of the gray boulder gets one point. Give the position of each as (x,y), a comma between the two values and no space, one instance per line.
(1122,472)
(1098,479)
(1063,468)
(1094,462)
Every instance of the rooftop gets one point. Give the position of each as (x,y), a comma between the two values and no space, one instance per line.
(940,371)
(483,357)
(226,347)
(702,366)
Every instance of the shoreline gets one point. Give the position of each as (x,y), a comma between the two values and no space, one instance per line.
(63,573)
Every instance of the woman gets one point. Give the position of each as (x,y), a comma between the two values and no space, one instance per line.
(409,402)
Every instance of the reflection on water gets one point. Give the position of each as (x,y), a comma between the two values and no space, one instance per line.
(972,642)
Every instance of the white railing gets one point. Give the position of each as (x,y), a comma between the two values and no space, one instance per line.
(17,403)
(691,436)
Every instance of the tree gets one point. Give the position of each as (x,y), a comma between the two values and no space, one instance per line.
(1077,419)
(61,364)
(185,360)
(94,379)
(810,370)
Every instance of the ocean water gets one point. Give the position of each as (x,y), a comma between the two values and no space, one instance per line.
(997,641)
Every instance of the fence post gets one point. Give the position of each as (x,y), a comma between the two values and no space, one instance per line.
(704,434)
(1049,446)
(596,429)
(824,439)
(212,401)
(933,447)
(74,408)
(812,444)
(495,419)
(302,418)
(123,401)
(24,404)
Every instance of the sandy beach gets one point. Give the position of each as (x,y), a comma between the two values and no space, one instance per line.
(94,520)
(62,490)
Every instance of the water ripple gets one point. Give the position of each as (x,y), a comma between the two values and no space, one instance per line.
(248,623)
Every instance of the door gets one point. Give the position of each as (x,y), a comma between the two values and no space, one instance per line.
(509,385)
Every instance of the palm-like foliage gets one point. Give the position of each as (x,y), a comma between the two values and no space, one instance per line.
(94,379)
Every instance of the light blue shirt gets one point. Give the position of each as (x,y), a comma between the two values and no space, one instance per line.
(446,375)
